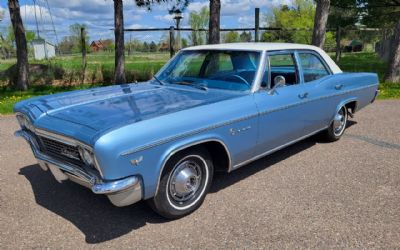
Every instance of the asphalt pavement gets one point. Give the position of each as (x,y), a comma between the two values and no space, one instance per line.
(310,195)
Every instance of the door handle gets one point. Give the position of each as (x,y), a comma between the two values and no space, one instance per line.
(304,95)
(339,86)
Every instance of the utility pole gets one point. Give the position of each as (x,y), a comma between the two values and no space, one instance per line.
(256,24)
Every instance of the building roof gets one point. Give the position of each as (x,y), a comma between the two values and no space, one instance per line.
(269,47)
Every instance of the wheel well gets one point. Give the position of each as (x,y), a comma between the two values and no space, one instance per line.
(218,152)
(352,106)
(219,155)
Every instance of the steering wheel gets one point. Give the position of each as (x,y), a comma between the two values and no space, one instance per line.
(240,78)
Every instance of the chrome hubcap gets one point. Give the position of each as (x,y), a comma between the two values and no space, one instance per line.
(185,181)
(339,122)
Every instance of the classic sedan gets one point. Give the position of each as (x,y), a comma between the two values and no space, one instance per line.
(210,108)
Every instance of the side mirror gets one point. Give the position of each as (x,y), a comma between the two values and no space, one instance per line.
(279,81)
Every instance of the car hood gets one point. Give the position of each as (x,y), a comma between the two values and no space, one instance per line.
(102,109)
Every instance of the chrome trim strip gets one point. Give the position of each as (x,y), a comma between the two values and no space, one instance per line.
(194,132)
(183,135)
(61,138)
(274,149)
(190,145)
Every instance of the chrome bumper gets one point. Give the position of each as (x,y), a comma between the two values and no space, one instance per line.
(121,192)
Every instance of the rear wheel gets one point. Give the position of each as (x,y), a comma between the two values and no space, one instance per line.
(184,184)
(336,129)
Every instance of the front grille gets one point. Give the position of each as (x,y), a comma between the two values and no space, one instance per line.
(60,150)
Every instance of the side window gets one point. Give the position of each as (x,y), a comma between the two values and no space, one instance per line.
(312,66)
(283,65)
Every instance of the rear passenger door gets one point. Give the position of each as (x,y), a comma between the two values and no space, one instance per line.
(281,118)
(315,75)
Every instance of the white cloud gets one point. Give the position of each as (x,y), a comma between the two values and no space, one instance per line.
(169,19)
(248,21)
(135,26)
(99,17)
(196,6)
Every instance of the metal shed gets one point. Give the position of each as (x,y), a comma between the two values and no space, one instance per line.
(43,49)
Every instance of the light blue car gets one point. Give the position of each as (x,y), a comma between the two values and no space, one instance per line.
(210,108)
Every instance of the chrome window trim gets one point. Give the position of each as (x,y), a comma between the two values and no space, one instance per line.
(292,52)
(257,79)
(307,51)
(260,73)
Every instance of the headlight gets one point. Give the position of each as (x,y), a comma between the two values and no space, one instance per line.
(86,156)
(24,122)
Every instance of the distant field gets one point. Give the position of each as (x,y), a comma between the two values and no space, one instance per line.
(100,68)
(142,66)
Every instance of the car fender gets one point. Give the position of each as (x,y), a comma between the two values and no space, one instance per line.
(343,103)
(185,143)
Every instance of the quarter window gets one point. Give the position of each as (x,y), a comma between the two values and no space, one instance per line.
(313,68)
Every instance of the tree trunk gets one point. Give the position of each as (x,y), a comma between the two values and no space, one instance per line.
(84,61)
(320,20)
(214,23)
(393,72)
(4,51)
(20,41)
(119,76)
(338,48)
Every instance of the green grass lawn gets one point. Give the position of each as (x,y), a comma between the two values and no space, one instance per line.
(147,63)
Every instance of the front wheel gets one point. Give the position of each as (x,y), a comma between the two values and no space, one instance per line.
(184,184)
(336,129)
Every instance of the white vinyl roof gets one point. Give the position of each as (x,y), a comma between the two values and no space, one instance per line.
(269,47)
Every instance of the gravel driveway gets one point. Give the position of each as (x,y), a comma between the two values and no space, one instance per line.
(311,195)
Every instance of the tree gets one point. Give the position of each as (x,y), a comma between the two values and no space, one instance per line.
(184,42)
(231,37)
(214,23)
(393,71)
(385,14)
(75,36)
(300,16)
(245,37)
(119,76)
(153,47)
(342,17)
(198,20)
(20,41)
(320,22)
(6,44)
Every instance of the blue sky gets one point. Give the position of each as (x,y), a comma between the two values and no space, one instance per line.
(98,16)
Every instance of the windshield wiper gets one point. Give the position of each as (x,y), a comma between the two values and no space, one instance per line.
(159,81)
(197,86)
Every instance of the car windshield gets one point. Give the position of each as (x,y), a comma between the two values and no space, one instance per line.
(220,69)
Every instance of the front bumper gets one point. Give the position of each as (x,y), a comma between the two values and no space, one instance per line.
(121,192)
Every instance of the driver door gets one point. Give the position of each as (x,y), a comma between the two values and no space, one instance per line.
(281,119)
